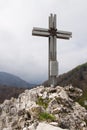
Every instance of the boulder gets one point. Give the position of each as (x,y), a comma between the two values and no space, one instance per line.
(45,126)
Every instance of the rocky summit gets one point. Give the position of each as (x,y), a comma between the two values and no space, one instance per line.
(42,108)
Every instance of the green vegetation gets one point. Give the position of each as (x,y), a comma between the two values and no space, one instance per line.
(83,65)
(46,117)
(79,67)
(43,102)
(82,99)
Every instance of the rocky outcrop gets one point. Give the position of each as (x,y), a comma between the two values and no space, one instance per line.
(44,107)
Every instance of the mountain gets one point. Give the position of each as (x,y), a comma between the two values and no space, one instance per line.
(11,86)
(7,92)
(12,80)
(77,77)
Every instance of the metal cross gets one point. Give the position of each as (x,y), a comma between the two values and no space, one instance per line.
(52,33)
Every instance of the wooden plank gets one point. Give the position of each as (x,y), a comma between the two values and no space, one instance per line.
(51,48)
(62,36)
(38,33)
(49,22)
(53,68)
(64,32)
(55,47)
(51,19)
(54,22)
(40,29)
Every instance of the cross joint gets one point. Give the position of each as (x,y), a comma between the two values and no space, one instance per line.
(52,31)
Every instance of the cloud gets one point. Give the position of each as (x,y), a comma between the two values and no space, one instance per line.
(26,55)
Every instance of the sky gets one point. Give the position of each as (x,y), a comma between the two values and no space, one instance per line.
(25,55)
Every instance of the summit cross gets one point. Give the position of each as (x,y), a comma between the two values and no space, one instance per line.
(52,33)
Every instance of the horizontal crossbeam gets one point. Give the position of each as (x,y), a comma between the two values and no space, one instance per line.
(64,32)
(46,31)
(39,33)
(40,29)
(62,36)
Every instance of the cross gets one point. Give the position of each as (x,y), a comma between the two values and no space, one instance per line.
(52,33)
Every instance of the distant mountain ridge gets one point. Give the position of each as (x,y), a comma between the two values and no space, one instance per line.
(7,92)
(12,80)
(77,77)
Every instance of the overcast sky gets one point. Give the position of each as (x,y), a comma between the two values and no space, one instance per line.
(27,56)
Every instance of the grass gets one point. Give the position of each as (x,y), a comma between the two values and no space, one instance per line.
(43,102)
(46,117)
(82,99)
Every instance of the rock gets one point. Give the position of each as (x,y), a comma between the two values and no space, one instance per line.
(61,93)
(0,110)
(53,95)
(83,124)
(44,126)
(75,119)
(48,102)
(12,110)
(54,124)
(73,92)
(7,129)
(54,107)
(53,103)
(25,128)
(52,90)
(45,95)
(27,115)
(56,110)
(21,112)
(32,127)
(35,111)
(21,122)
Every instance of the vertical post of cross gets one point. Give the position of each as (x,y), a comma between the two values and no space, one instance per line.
(52,63)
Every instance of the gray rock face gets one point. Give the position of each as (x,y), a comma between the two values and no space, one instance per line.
(54,107)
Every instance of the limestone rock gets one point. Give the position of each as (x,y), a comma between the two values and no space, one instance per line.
(35,111)
(54,123)
(73,92)
(44,126)
(50,103)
